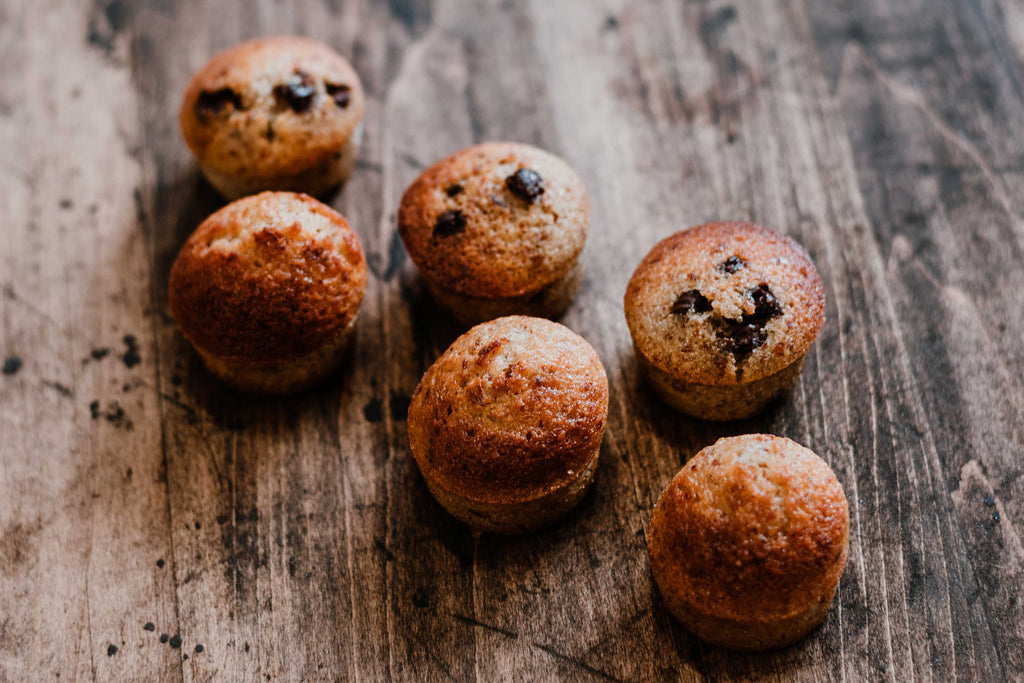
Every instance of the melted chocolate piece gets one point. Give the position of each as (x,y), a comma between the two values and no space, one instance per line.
(450,223)
(732,264)
(453,190)
(742,336)
(526,184)
(341,94)
(212,102)
(297,92)
(691,301)
(766,306)
(748,334)
(747,337)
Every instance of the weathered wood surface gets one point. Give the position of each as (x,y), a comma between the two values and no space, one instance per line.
(294,539)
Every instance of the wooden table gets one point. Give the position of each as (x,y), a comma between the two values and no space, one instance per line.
(293,539)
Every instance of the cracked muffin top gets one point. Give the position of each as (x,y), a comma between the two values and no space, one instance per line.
(271,107)
(514,408)
(495,220)
(723,303)
(752,527)
(269,277)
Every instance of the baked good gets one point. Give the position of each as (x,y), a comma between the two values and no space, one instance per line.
(274,114)
(722,316)
(749,540)
(267,290)
(497,229)
(506,425)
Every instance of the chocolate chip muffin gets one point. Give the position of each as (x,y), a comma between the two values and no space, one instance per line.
(507,424)
(268,289)
(274,114)
(749,540)
(722,316)
(497,229)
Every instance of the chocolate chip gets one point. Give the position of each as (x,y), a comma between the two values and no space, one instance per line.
(746,338)
(732,264)
(454,190)
(766,306)
(199,648)
(297,92)
(341,94)
(526,184)
(150,626)
(747,334)
(111,650)
(175,641)
(164,637)
(449,223)
(212,102)
(691,301)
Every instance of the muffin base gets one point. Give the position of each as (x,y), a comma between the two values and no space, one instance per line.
(316,181)
(284,377)
(721,402)
(548,302)
(516,518)
(751,635)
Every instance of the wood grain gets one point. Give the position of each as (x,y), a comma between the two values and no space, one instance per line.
(293,539)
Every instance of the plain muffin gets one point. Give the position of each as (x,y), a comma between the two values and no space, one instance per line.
(749,540)
(274,114)
(722,316)
(506,425)
(268,289)
(497,229)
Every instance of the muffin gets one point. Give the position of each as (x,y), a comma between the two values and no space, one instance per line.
(268,289)
(722,316)
(749,540)
(506,425)
(497,229)
(274,114)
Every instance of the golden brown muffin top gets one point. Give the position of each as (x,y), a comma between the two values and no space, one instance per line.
(499,219)
(269,277)
(724,303)
(754,527)
(513,409)
(270,107)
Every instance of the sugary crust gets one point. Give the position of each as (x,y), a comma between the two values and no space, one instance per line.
(268,278)
(509,247)
(690,346)
(263,139)
(751,534)
(514,409)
